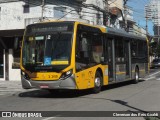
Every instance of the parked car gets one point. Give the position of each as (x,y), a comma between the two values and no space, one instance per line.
(155,63)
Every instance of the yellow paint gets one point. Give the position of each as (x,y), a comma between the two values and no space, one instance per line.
(30,38)
(119,73)
(59,62)
(44,76)
(85,78)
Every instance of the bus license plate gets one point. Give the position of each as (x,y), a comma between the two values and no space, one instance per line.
(44,86)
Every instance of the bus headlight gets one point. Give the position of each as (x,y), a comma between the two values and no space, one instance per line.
(25,75)
(65,75)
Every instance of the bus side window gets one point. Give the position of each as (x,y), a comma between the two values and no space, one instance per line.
(84,45)
(134,48)
(82,48)
(119,50)
(97,53)
(97,48)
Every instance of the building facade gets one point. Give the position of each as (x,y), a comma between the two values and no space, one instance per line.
(116,10)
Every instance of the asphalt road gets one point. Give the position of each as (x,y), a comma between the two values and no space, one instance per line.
(144,96)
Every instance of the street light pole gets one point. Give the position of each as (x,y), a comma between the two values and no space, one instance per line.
(146,25)
(43,3)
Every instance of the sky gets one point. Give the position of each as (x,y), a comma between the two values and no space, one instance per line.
(138,7)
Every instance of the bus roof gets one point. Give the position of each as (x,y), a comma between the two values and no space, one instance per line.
(122,33)
(103,29)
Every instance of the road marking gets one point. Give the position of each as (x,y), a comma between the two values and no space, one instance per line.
(158,79)
(154,74)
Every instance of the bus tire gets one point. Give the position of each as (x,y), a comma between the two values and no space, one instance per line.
(136,77)
(97,82)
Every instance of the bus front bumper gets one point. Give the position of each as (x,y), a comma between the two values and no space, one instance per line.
(68,83)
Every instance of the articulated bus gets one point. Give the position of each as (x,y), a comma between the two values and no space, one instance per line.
(74,55)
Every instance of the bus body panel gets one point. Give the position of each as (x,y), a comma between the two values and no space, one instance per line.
(68,83)
(141,68)
(85,78)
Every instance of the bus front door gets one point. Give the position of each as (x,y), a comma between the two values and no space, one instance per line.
(111,59)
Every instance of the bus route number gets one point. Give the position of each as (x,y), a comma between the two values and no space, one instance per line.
(52,76)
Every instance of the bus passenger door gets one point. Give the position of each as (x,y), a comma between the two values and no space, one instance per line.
(128,59)
(111,59)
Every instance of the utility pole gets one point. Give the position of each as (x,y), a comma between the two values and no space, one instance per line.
(146,25)
(147,16)
(125,13)
(43,4)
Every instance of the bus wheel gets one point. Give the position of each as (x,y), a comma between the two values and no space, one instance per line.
(136,78)
(97,83)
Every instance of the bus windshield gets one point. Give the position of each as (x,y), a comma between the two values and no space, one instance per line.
(41,50)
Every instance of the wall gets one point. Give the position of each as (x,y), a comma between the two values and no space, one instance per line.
(14,74)
(117,3)
(91,14)
(20,19)
(12,17)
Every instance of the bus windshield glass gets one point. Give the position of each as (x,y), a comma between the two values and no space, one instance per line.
(47,50)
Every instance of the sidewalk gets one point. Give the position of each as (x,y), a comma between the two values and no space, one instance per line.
(10,87)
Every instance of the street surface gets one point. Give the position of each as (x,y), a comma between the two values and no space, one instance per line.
(144,96)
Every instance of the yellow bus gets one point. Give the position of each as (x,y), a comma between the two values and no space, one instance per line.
(75,55)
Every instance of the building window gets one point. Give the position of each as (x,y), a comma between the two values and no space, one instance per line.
(59,12)
(98,16)
(119,50)
(26,8)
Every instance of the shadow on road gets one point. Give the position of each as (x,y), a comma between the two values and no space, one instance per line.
(69,93)
(57,94)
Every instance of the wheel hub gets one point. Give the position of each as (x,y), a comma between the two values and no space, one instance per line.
(97,82)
